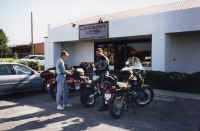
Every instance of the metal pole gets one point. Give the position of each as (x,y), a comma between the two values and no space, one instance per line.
(32,45)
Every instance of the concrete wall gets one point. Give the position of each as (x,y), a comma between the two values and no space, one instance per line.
(79,52)
(184,52)
(63,33)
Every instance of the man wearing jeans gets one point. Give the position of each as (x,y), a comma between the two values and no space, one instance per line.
(62,86)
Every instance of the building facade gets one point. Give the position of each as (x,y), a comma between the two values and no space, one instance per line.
(165,37)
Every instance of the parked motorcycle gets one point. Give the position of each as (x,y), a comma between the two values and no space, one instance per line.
(48,76)
(74,81)
(95,87)
(130,89)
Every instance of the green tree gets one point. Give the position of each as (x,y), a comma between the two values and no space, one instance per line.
(4,49)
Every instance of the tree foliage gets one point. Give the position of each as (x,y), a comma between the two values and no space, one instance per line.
(3,38)
(4,49)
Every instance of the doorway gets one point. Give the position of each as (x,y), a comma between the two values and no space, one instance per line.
(118,50)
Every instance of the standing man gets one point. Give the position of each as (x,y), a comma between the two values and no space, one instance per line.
(102,62)
(102,67)
(62,86)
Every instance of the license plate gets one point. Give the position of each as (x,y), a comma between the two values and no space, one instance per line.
(107,96)
(48,86)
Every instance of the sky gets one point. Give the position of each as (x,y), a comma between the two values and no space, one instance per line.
(15,15)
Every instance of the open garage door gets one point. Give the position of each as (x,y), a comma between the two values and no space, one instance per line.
(119,49)
(82,51)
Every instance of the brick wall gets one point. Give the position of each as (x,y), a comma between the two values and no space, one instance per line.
(39,48)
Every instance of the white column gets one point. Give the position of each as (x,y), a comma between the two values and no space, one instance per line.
(45,52)
(49,54)
(158,52)
(56,52)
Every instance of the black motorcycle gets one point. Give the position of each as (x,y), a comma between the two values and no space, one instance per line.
(130,89)
(91,89)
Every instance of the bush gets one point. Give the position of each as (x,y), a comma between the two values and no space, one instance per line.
(34,65)
(24,63)
(42,67)
(174,81)
(8,60)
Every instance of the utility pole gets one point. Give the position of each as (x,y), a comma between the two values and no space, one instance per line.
(32,45)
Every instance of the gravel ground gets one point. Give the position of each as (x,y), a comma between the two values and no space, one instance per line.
(37,111)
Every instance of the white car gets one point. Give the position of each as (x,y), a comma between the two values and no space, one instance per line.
(34,58)
(16,77)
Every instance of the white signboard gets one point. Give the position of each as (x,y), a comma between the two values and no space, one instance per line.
(94,31)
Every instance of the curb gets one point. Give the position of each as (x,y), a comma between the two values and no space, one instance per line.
(159,93)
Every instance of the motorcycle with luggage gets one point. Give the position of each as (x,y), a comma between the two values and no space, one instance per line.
(130,89)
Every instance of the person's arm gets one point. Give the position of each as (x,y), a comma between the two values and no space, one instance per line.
(68,72)
(105,63)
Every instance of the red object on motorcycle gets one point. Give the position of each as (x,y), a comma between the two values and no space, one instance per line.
(53,80)
(102,86)
(46,74)
(107,91)
(70,80)
(113,87)
(76,81)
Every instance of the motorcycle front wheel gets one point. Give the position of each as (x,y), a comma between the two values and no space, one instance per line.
(144,96)
(116,107)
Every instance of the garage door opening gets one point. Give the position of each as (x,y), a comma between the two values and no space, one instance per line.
(80,52)
(119,49)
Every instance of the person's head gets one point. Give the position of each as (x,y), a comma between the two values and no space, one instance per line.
(64,55)
(132,53)
(99,51)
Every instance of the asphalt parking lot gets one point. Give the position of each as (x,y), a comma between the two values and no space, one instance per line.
(37,111)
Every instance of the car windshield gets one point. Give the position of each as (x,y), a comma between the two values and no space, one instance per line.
(135,63)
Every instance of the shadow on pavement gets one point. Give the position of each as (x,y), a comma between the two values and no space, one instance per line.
(174,115)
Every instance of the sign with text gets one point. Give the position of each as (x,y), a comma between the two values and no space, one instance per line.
(94,31)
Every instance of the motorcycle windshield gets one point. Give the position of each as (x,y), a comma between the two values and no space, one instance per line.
(135,63)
